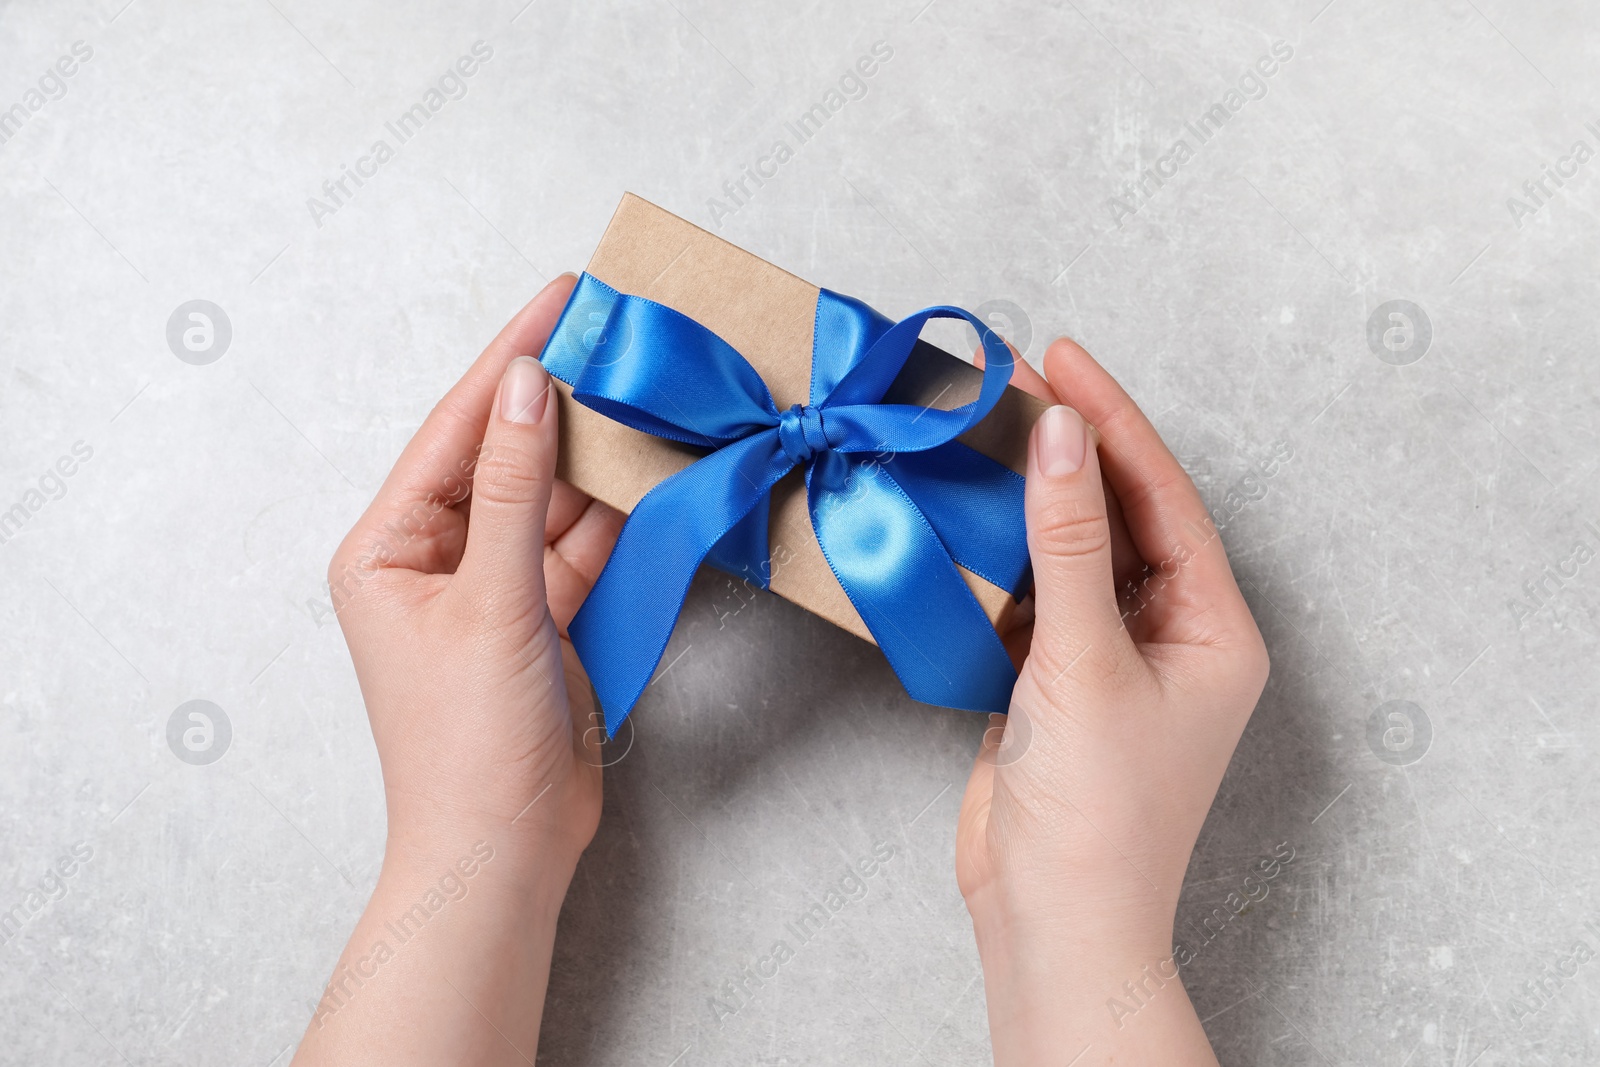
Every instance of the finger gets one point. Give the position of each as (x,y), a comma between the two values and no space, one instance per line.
(413,510)
(503,564)
(1169,523)
(1017,631)
(1127,565)
(1023,376)
(574,560)
(567,505)
(1069,539)
(1126,562)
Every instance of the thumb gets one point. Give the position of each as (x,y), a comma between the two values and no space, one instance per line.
(1069,538)
(504,557)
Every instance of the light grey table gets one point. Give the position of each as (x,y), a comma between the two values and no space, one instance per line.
(1419,544)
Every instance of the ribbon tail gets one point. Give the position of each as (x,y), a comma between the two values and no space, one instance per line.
(975,505)
(907,589)
(623,626)
(746,550)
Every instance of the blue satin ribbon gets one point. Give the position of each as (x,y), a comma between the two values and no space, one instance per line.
(895,500)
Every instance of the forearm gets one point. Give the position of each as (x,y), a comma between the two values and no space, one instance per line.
(1079,993)
(446,966)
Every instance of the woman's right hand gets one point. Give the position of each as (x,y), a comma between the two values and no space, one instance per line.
(1085,802)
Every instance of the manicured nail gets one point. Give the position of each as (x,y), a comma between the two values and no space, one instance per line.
(524,391)
(1061,442)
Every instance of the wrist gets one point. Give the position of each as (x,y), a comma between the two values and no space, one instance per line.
(1107,987)
(456,919)
(1065,964)
(538,823)
(524,857)
(1015,916)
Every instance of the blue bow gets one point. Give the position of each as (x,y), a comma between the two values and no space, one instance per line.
(895,500)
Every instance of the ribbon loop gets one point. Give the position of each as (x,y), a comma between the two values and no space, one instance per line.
(896,503)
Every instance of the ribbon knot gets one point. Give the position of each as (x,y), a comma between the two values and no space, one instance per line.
(801,433)
(896,502)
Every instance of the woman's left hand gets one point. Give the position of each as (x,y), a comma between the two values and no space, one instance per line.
(454,591)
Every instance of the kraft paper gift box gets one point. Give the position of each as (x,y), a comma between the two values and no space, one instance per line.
(767,315)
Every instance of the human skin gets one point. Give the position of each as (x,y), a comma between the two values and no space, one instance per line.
(1139,670)
(1070,855)
(481,713)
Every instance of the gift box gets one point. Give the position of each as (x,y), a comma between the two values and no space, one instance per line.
(655,342)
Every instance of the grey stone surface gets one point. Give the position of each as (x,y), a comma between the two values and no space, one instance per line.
(183,558)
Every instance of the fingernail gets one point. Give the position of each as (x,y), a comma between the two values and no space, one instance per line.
(524,391)
(1061,442)
(570,274)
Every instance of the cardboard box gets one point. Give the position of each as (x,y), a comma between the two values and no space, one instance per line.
(767,315)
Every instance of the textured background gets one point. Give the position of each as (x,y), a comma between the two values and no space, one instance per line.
(1442,860)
